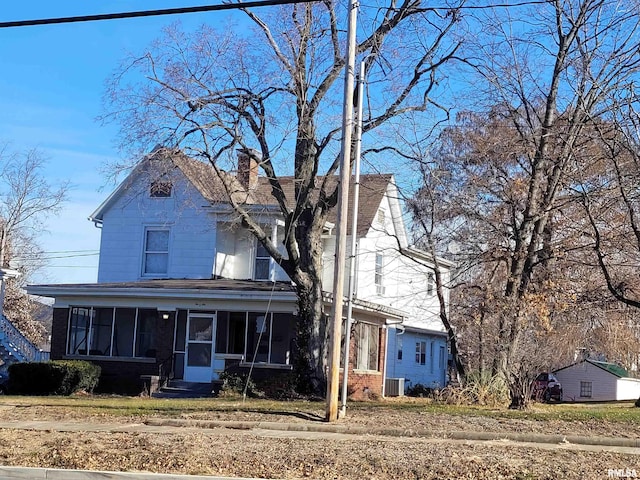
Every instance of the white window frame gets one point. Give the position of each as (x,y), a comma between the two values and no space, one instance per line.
(257,257)
(421,352)
(146,252)
(430,284)
(378,276)
(363,346)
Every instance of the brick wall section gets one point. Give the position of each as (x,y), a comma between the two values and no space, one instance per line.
(59,332)
(366,386)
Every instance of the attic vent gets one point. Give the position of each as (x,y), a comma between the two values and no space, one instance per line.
(381,217)
(160,189)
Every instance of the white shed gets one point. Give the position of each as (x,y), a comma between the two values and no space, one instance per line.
(594,381)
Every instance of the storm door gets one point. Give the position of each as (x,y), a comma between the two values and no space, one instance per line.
(199,352)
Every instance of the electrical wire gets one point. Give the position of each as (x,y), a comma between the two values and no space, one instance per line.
(150,13)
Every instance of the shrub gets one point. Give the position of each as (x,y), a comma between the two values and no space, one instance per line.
(234,383)
(477,390)
(58,377)
(420,390)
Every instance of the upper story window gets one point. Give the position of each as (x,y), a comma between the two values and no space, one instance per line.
(381,217)
(156,252)
(160,189)
(378,275)
(262,267)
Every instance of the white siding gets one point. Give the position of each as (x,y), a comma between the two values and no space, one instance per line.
(405,279)
(628,389)
(603,383)
(235,253)
(192,232)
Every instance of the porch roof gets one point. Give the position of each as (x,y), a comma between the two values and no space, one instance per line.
(168,287)
(194,289)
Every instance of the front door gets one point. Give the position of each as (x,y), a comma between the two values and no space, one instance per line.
(200,351)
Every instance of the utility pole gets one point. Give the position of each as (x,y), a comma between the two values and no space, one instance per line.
(335,330)
(354,241)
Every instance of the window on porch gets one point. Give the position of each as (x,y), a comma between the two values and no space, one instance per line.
(367,338)
(265,337)
(112,332)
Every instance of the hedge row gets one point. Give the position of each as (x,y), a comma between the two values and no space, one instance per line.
(57,377)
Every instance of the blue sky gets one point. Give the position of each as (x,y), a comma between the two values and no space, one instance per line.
(51,84)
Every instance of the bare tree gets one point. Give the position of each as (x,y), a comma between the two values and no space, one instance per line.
(26,198)
(277,90)
(545,74)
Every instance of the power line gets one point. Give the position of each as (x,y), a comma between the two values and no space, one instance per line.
(149,13)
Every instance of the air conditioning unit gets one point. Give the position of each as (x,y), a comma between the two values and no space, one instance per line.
(394,387)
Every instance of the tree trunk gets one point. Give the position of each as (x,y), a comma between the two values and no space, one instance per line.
(309,352)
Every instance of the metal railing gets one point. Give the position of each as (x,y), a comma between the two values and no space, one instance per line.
(19,345)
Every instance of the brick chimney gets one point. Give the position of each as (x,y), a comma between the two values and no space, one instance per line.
(248,167)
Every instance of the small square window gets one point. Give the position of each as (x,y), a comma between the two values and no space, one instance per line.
(160,189)
(586,389)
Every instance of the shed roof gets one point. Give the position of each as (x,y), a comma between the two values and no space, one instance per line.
(611,368)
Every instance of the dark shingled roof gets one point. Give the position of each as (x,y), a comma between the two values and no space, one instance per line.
(372,189)
(187,284)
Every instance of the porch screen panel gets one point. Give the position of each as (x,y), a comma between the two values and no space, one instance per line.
(145,338)
(78,337)
(222,332)
(281,338)
(123,332)
(101,332)
(258,336)
(237,328)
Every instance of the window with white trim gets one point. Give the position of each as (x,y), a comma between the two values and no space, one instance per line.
(262,267)
(156,252)
(379,274)
(430,284)
(421,353)
(367,337)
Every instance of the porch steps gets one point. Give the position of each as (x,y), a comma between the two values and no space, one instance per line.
(182,389)
(15,347)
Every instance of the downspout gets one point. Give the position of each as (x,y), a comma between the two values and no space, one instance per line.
(354,246)
(384,364)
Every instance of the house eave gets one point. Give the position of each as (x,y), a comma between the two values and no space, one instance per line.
(127,290)
(393,315)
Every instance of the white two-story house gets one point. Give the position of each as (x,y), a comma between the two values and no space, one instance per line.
(185,292)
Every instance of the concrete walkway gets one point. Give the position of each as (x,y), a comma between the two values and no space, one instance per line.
(10,473)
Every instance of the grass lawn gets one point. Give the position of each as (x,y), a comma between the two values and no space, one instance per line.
(117,406)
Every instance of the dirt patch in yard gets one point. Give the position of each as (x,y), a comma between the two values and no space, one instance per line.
(253,454)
